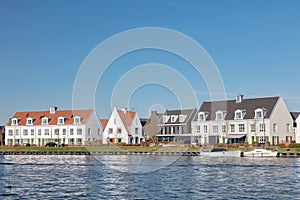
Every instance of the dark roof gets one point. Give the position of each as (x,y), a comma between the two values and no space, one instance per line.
(143,121)
(295,115)
(230,106)
(187,112)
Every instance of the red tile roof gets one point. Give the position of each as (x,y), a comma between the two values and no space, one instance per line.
(53,118)
(126,118)
(104,123)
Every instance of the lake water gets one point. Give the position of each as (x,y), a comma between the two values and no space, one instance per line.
(111,177)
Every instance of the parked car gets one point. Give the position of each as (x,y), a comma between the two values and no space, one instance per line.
(26,145)
(51,144)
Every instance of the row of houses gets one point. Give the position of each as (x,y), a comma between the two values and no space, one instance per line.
(253,121)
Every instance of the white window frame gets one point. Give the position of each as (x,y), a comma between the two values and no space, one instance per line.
(44,121)
(29,121)
(262,127)
(241,112)
(215,129)
(224,129)
(182,118)
(241,128)
(47,131)
(173,118)
(166,118)
(232,128)
(10,132)
(60,120)
(252,128)
(197,128)
(77,120)
(275,128)
(14,122)
(202,116)
(205,129)
(288,128)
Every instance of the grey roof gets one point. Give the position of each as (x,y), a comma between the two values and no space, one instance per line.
(189,112)
(295,115)
(230,106)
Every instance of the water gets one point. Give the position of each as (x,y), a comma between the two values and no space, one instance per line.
(86,177)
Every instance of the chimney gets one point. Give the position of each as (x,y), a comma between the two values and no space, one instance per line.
(53,109)
(124,110)
(239,98)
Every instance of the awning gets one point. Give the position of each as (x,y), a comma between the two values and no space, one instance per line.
(238,136)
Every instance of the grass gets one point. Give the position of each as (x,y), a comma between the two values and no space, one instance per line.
(112,148)
(99,149)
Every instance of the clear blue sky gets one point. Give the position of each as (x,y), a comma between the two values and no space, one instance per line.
(255,45)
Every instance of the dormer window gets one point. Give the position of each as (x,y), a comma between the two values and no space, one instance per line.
(202,116)
(173,118)
(29,121)
(77,120)
(14,121)
(220,115)
(45,121)
(182,118)
(166,118)
(61,120)
(239,114)
(259,113)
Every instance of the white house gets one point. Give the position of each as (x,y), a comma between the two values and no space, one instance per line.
(259,120)
(123,126)
(72,127)
(296,118)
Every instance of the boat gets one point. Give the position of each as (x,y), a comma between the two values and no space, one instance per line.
(220,152)
(260,153)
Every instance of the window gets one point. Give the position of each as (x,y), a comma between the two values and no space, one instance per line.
(10,132)
(79,131)
(89,131)
(136,130)
(71,131)
(197,128)
(98,131)
(47,132)
(182,118)
(215,129)
(223,128)
(25,132)
(77,120)
(71,140)
(29,121)
(56,131)
(241,128)
(202,116)
(14,121)
(252,127)
(10,141)
(64,131)
(220,115)
(79,141)
(115,121)
(173,118)
(275,128)
(32,131)
(39,132)
(172,130)
(45,121)
(110,130)
(260,113)
(205,129)
(119,131)
(17,141)
(180,130)
(288,128)
(262,140)
(239,114)
(163,131)
(61,120)
(232,128)
(262,127)
(17,131)
(166,118)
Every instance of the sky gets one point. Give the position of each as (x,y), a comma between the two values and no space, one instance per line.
(43,45)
